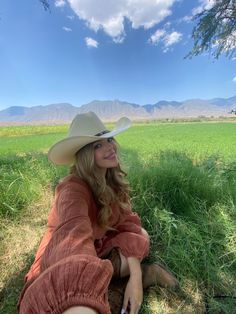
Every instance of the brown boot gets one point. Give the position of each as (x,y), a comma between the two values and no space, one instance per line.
(114,257)
(116,292)
(157,274)
(117,285)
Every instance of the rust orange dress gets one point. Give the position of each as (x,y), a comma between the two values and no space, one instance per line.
(68,269)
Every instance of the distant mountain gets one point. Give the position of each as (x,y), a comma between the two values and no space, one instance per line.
(224,102)
(110,110)
(160,105)
(54,112)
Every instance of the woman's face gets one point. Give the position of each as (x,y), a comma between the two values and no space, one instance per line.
(105,153)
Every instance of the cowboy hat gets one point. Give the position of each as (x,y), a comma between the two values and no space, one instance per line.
(85,128)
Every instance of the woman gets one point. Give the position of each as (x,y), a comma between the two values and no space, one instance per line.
(92,234)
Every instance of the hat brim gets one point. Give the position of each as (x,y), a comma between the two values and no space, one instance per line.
(63,152)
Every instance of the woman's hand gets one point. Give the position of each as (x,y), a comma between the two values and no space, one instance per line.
(133,296)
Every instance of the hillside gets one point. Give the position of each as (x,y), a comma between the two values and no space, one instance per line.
(110,110)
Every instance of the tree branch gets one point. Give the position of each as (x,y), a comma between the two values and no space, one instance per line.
(45,4)
(215,31)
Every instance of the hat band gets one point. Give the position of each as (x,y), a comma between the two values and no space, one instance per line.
(101,133)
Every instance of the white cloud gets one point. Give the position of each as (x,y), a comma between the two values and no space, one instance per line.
(67,29)
(90,42)
(71,17)
(109,15)
(234,79)
(203,5)
(157,36)
(187,19)
(208,4)
(60,3)
(165,38)
(172,38)
(119,39)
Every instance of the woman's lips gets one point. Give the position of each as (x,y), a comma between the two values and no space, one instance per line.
(111,156)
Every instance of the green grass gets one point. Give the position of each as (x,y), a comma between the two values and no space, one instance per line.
(189,211)
(9,131)
(23,180)
(183,180)
(21,145)
(198,140)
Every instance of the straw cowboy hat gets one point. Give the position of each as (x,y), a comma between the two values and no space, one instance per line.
(84,129)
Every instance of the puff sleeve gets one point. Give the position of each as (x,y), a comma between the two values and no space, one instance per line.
(129,237)
(70,271)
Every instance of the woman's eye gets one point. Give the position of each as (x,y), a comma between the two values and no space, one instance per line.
(96,146)
(110,139)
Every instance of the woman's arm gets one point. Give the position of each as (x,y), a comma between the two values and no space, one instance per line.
(71,272)
(133,296)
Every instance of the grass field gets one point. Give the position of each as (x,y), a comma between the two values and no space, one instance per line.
(183,180)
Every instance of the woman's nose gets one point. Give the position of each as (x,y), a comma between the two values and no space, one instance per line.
(109,145)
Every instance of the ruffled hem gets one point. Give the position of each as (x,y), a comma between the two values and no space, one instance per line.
(76,280)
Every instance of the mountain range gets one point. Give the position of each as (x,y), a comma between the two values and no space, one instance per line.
(111,110)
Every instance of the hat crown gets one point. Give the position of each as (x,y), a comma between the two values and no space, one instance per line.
(86,124)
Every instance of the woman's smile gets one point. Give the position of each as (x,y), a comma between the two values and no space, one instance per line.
(111,156)
(105,155)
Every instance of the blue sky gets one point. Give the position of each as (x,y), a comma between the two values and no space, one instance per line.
(131,50)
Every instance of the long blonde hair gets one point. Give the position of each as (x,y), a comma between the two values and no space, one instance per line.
(106,190)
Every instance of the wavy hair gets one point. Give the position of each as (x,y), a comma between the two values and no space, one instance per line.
(107,190)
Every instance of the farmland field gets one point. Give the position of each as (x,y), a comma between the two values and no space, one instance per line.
(198,140)
(183,182)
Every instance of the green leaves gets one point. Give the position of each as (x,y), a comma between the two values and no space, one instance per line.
(215,31)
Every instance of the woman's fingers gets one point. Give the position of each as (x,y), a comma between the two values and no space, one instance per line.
(131,307)
(134,307)
(125,304)
(133,295)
